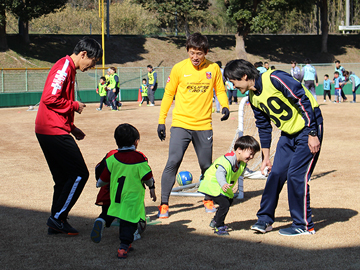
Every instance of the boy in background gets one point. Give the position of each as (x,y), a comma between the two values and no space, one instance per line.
(295,70)
(223,174)
(101,91)
(339,68)
(327,87)
(122,175)
(355,81)
(144,92)
(338,82)
(114,88)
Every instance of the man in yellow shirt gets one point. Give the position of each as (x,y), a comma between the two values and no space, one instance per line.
(191,81)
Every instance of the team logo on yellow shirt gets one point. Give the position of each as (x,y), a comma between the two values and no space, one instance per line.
(208,75)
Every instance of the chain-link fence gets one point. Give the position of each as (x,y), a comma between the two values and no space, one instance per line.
(33,79)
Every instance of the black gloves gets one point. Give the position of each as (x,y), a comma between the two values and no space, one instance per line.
(225,111)
(162,132)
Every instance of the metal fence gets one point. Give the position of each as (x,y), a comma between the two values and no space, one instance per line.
(33,79)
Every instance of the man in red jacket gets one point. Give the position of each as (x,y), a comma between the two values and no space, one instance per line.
(53,125)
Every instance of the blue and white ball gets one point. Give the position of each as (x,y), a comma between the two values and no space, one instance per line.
(184,178)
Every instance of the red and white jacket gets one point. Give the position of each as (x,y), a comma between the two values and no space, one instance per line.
(55,115)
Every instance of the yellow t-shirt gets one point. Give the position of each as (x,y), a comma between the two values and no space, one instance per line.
(193,90)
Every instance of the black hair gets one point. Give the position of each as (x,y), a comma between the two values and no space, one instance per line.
(346,73)
(149,66)
(126,135)
(144,79)
(219,63)
(293,62)
(307,61)
(237,69)
(103,78)
(272,67)
(337,72)
(337,61)
(197,41)
(247,142)
(326,75)
(91,46)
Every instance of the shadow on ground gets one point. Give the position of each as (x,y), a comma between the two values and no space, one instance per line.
(129,48)
(26,245)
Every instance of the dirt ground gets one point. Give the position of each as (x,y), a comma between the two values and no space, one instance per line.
(185,240)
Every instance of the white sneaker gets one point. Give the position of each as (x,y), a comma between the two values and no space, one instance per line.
(324,100)
(152,104)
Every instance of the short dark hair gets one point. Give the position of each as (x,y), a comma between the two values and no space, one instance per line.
(197,41)
(247,142)
(346,73)
(337,72)
(149,66)
(91,46)
(293,62)
(126,135)
(103,78)
(307,61)
(219,63)
(144,79)
(337,61)
(326,75)
(237,69)
(272,67)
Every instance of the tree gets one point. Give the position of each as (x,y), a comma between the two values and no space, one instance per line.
(26,10)
(324,25)
(4,4)
(259,16)
(184,10)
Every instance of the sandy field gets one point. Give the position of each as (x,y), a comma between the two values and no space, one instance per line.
(184,240)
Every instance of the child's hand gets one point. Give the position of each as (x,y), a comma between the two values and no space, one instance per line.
(226,187)
(152,194)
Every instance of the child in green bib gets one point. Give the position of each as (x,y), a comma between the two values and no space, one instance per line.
(144,93)
(223,174)
(122,176)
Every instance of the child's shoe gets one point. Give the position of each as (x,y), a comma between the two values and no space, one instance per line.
(221,230)
(140,105)
(97,230)
(163,211)
(209,206)
(122,254)
(98,109)
(212,223)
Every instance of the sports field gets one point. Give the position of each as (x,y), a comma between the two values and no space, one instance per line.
(184,240)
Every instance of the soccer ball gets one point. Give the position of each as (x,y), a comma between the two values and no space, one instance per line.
(184,178)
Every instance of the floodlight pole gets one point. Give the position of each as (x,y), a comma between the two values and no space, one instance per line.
(101,15)
(347,12)
(108,19)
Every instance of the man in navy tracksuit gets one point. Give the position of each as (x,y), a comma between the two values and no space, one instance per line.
(276,96)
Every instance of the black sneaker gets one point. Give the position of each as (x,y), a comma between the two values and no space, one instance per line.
(61,226)
(52,231)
